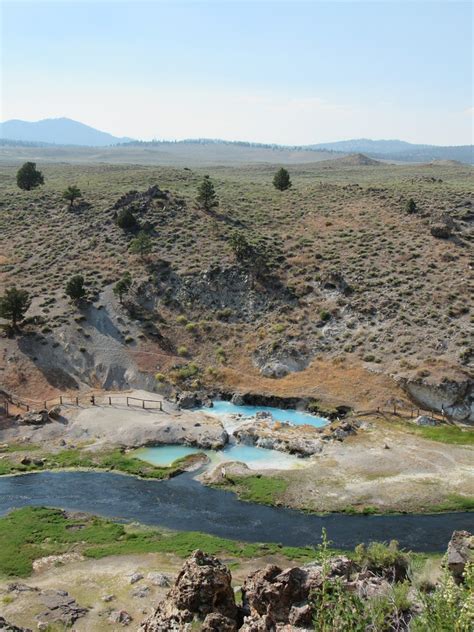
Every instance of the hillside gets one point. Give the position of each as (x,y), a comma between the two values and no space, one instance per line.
(357,292)
(57,131)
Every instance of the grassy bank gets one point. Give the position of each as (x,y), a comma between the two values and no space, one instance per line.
(444,434)
(33,532)
(112,460)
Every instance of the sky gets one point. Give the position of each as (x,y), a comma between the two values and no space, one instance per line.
(270,71)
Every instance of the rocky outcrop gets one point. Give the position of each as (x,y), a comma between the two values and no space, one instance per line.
(443,228)
(202,588)
(5,626)
(453,397)
(34,418)
(61,608)
(460,552)
(278,362)
(286,437)
(192,399)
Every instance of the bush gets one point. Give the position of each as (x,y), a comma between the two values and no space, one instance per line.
(28,177)
(75,287)
(126,219)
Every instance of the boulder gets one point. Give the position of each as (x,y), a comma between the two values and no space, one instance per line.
(120,616)
(34,418)
(424,420)
(188,399)
(216,622)
(62,609)
(237,399)
(55,413)
(159,579)
(459,553)
(442,229)
(203,587)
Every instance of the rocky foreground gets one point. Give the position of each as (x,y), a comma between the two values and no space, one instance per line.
(280,600)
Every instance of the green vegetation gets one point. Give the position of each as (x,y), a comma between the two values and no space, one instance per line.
(442,433)
(454,502)
(267,490)
(28,177)
(72,193)
(123,285)
(411,206)
(32,532)
(281,180)
(75,288)
(141,245)
(206,197)
(126,220)
(104,460)
(14,304)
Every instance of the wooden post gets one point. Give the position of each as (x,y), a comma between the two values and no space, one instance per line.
(161,405)
(110,401)
(27,408)
(143,403)
(77,401)
(127,401)
(394,409)
(93,400)
(60,399)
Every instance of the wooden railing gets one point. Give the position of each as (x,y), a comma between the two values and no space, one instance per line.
(7,400)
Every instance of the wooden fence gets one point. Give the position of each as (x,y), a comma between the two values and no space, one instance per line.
(7,400)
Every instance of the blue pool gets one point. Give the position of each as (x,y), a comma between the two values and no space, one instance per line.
(260,458)
(222,408)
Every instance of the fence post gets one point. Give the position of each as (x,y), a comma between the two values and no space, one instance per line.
(394,409)
(27,408)
(93,400)
(127,401)
(60,399)
(161,405)
(110,401)
(77,401)
(143,403)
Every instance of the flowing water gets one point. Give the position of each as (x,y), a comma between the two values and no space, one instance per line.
(182,503)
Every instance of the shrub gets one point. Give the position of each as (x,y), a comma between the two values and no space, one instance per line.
(281,180)
(126,219)
(28,177)
(75,287)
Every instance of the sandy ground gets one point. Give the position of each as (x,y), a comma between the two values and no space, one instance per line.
(411,474)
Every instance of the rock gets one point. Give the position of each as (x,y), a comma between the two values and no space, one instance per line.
(34,418)
(141,592)
(285,437)
(301,616)
(263,414)
(443,229)
(215,622)
(120,616)
(159,579)
(5,626)
(237,399)
(55,413)
(25,460)
(187,399)
(459,553)
(455,397)
(256,623)
(424,420)
(202,587)
(135,577)
(61,608)
(108,598)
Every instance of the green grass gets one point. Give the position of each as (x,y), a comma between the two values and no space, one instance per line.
(446,434)
(33,532)
(105,460)
(258,489)
(453,502)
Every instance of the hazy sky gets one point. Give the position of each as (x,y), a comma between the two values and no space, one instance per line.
(270,71)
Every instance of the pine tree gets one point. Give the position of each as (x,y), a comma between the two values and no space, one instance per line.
(28,177)
(123,285)
(281,180)
(207,197)
(141,245)
(71,194)
(13,304)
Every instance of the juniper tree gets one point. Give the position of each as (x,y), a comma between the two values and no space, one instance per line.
(141,245)
(75,287)
(411,206)
(28,177)
(281,180)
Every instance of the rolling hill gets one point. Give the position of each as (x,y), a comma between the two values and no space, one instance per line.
(58,131)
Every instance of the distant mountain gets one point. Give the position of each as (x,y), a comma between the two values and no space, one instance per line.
(400,150)
(60,131)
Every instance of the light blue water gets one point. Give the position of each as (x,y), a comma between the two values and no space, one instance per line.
(260,458)
(280,414)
